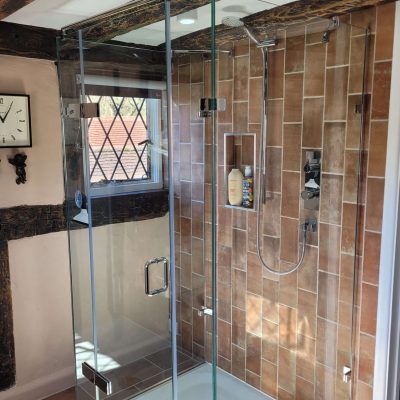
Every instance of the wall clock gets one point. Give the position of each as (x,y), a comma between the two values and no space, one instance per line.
(15,121)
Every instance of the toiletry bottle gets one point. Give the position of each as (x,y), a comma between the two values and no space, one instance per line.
(248,187)
(235,187)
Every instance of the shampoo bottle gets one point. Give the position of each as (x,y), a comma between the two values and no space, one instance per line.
(248,188)
(235,187)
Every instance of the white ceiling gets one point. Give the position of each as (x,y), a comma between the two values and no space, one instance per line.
(59,13)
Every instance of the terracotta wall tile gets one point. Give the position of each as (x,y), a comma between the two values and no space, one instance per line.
(293,97)
(334,144)
(270,338)
(240,117)
(312,126)
(238,362)
(289,240)
(254,314)
(270,300)
(294,54)
(305,361)
(255,100)
(328,292)
(385,32)
(367,355)
(292,147)
(326,343)
(314,77)
(339,45)
(372,257)
(331,198)
(374,210)
(225,91)
(377,152)
(381,93)
(253,354)
(290,194)
(275,118)
(368,308)
(269,378)
(239,327)
(329,250)
(307,275)
(272,215)
(274,157)
(307,313)
(287,370)
(275,77)
(241,78)
(336,94)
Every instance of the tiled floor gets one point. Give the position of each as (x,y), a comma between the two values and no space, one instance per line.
(135,378)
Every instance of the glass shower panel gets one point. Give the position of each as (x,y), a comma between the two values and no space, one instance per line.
(193,142)
(289,334)
(116,161)
(127,177)
(68,69)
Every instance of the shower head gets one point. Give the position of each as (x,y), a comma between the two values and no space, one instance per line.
(235,22)
(232,22)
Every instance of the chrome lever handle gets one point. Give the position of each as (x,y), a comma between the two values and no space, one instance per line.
(147,265)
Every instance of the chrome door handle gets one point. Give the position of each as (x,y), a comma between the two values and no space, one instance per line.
(147,265)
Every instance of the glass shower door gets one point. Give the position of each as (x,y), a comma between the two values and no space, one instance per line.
(116,167)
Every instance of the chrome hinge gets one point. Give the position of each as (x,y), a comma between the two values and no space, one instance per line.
(204,311)
(209,105)
(97,378)
(346,374)
(83,110)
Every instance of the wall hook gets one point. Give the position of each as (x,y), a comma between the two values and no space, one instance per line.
(19,162)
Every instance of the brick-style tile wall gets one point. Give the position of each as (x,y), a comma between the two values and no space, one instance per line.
(289,337)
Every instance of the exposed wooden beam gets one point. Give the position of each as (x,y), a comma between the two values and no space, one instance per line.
(142,13)
(287,13)
(27,41)
(8,7)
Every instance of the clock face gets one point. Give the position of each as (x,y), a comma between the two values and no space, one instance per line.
(15,126)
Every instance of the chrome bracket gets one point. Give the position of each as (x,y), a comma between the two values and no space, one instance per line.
(209,105)
(205,311)
(98,379)
(346,374)
(83,110)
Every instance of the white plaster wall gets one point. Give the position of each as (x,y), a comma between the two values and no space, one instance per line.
(39,265)
(38,78)
(40,284)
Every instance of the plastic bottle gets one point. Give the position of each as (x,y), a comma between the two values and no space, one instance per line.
(235,187)
(248,188)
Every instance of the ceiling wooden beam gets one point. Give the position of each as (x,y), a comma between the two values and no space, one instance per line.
(8,7)
(288,13)
(28,41)
(107,26)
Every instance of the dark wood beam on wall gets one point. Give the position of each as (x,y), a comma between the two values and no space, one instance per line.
(27,41)
(8,7)
(145,12)
(288,13)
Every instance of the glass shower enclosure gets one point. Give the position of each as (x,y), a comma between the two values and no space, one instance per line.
(170,297)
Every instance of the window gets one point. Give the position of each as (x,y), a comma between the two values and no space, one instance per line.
(125,141)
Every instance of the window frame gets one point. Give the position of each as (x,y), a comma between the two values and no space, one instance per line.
(154,116)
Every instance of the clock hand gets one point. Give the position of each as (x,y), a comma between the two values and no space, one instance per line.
(7,112)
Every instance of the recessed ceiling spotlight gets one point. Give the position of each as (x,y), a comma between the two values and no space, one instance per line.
(188,18)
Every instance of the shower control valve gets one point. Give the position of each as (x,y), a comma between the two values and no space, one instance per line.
(309,194)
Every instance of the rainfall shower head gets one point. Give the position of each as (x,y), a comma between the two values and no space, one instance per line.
(232,22)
